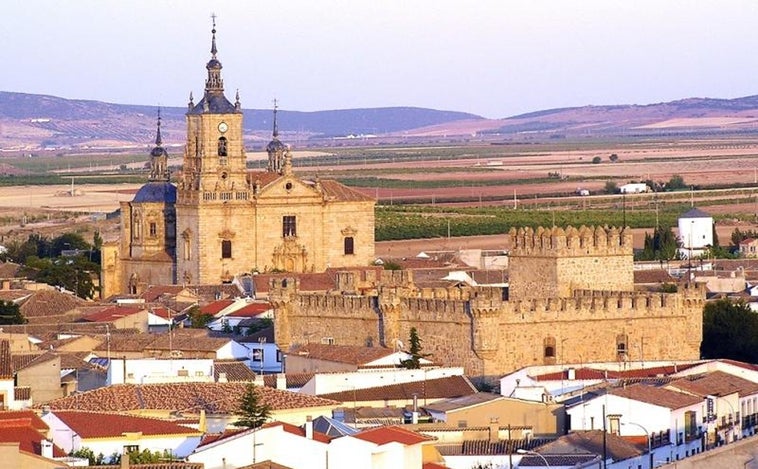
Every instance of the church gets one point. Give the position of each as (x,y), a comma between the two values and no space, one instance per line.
(219,220)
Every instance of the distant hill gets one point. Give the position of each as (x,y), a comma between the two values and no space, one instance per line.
(29,122)
(684,117)
(29,119)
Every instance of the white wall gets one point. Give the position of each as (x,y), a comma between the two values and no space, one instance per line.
(232,351)
(146,371)
(271,353)
(272,443)
(362,379)
(695,233)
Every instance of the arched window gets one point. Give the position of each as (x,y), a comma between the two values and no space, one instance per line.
(222,146)
(349,245)
(187,249)
(548,347)
(153,229)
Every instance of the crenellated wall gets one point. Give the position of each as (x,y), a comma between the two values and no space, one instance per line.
(487,334)
(553,262)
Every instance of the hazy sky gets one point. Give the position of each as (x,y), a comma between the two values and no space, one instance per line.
(495,58)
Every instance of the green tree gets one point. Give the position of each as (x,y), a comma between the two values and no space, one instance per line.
(253,412)
(10,313)
(87,453)
(676,183)
(730,330)
(614,157)
(661,245)
(414,362)
(596,160)
(198,319)
(611,187)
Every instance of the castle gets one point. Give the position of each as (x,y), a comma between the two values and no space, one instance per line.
(221,221)
(570,300)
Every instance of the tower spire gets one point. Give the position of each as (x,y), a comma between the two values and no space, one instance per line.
(213,37)
(158,139)
(276,130)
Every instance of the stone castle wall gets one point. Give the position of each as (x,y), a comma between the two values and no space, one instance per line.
(488,335)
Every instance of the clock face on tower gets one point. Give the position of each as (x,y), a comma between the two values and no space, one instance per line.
(222,127)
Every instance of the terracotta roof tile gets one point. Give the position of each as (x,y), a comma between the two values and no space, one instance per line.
(6,363)
(9,270)
(215,306)
(655,395)
(112,313)
(154,292)
(450,386)
(349,354)
(25,360)
(251,310)
(341,193)
(209,438)
(591,441)
(594,373)
(104,425)
(234,370)
(15,295)
(653,276)
(156,465)
(28,438)
(392,434)
(294,380)
(716,383)
(217,398)
(49,303)
(13,415)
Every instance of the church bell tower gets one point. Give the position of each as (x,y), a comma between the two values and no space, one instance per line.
(212,190)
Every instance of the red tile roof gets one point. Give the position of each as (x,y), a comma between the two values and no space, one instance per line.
(156,291)
(716,383)
(103,425)
(298,431)
(112,313)
(392,434)
(216,306)
(595,373)
(31,417)
(349,354)
(28,439)
(234,370)
(251,310)
(209,438)
(216,398)
(6,365)
(451,386)
(49,303)
(658,396)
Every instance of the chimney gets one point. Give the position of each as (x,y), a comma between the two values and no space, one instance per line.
(202,424)
(258,380)
(45,410)
(414,414)
(125,461)
(46,448)
(281,381)
(222,377)
(494,431)
(309,427)
(571,374)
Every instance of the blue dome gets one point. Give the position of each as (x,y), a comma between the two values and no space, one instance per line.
(162,191)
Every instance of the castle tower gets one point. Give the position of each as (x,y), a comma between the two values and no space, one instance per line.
(551,262)
(276,150)
(213,190)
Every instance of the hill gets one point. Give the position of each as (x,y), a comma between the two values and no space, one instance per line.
(30,121)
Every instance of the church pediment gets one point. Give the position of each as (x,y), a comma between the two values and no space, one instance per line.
(290,187)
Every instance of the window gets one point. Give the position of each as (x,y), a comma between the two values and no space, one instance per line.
(226,249)
(187,250)
(327,340)
(690,426)
(153,228)
(279,356)
(222,146)
(131,448)
(548,347)
(614,424)
(621,341)
(289,226)
(349,245)
(257,355)
(137,227)
(182,373)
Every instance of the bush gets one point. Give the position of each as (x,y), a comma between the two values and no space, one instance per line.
(596,160)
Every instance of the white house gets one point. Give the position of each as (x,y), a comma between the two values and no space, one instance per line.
(634,188)
(274,441)
(695,233)
(115,433)
(326,383)
(153,370)
(669,420)
(378,448)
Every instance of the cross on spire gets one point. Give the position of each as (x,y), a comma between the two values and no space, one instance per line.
(213,31)
(276,130)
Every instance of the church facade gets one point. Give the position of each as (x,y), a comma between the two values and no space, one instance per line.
(220,221)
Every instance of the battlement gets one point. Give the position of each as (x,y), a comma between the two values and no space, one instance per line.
(582,241)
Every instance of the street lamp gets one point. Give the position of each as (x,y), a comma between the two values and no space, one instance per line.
(649,442)
(526,451)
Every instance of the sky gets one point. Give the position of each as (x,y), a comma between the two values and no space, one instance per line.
(494,58)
